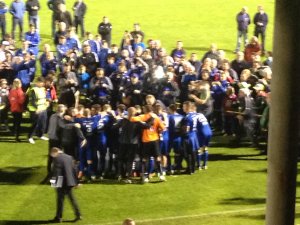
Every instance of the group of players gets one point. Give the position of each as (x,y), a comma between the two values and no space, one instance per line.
(134,141)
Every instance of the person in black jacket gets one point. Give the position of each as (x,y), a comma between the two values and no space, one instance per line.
(104,29)
(33,6)
(129,139)
(79,13)
(64,171)
(64,16)
(261,21)
(54,6)
(69,135)
(132,91)
(88,59)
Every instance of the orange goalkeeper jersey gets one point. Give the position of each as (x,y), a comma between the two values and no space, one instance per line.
(152,133)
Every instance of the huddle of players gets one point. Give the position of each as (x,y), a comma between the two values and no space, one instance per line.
(139,141)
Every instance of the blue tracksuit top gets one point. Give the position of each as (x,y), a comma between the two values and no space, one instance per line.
(17,9)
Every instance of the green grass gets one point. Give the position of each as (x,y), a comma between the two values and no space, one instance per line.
(236,179)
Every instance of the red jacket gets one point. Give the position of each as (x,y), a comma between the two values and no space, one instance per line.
(16,99)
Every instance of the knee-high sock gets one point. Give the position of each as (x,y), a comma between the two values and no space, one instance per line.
(169,164)
(205,157)
(158,167)
(144,169)
(151,165)
(90,169)
(199,157)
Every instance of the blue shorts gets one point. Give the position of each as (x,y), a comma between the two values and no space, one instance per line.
(164,147)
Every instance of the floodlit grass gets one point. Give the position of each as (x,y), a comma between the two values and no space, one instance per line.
(235,181)
(231,192)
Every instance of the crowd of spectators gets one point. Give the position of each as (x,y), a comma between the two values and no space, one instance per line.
(98,81)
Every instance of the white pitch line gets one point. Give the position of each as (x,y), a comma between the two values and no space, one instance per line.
(189,216)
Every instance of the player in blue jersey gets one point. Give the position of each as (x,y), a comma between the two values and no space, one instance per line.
(175,139)
(204,136)
(164,138)
(88,125)
(190,139)
(102,120)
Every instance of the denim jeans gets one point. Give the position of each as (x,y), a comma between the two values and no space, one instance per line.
(241,34)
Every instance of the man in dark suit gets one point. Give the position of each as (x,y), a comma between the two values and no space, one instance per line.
(104,29)
(261,21)
(79,12)
(53,5)
(64,171)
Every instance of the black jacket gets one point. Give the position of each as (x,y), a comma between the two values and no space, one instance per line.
(104,29)
(30,4)
(130,132)
(53,5)
(68,133)
(80,12)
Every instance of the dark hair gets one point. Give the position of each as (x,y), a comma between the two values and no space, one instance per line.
(173,107)
(121,107)
(40,79)
(148,108)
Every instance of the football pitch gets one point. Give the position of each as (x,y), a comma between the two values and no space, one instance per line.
(231,192)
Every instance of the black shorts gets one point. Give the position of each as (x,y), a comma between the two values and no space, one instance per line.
(150,149)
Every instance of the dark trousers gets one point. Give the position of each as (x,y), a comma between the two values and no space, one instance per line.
(19,22)
(38,123)
(3,27)
(17,119)
(262,33)
(53,25)
(4,116)
(61,193)
(125,158)
(190,156)
(79,21)
(107,37)
(70,149)
(52,143)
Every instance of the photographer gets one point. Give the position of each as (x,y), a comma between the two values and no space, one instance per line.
(68,86)
(101,87)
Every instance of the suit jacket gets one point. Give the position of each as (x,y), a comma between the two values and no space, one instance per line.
(64,166)
(80,12)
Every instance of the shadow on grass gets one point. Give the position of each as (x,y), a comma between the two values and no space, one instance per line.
(28,222)
(257,171)
(7,136)
(258,217)
(227,157)
(252,217)
(19,175)
(243,201)
(24,222)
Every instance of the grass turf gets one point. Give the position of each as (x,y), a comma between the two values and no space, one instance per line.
(236,179)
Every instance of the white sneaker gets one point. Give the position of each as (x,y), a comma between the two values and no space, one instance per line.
(44,138)
(127,181)
(162,178)
(145,180)
(31,141)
